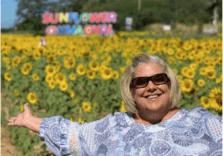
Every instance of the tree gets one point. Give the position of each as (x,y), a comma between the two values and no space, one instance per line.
(30,13)
(68,6)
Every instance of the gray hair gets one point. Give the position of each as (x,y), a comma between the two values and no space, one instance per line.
(175,92)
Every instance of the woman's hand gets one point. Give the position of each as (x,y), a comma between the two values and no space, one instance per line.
(22,119)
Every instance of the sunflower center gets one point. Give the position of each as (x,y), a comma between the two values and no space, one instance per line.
(219,99)
(33,97)
(210,74)
(107,72)
(187,85)
(94,65)
(50,70)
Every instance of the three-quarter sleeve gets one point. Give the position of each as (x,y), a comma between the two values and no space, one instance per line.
(60,135)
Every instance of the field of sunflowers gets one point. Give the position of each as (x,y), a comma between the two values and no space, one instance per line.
(79,77)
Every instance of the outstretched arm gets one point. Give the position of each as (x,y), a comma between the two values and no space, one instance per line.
(26,119)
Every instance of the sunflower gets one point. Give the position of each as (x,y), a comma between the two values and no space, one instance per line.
(201,82)
(178,54)
(71,119)
(32,98)
(190,73)
(203,71)
(58,66)
(6,60)
(15,61)
(171,60)
(36,55)
(52,84)
(81,69)
(193,66)
(86,106)
(170,51)
(128,61)
(50,70)
(94,65)
(205,102)
(69,62)
(72,77)
(51,58)
(106,73)
(8,76)
(175,70)
(71,93)
(122,70)
(122,108)
(105,63)
(42,50)
(49,78)
(24,71)
(28,66)
(35,77)
(207,60)
(21,107)
(184,71)
(23,58)
(180,77)
(80,120)
(211,73)
(16,92)
(218,80)
(60,78)
(187,85)
(193,91)
(191,56)
(91,74)
(219,60)
(199,60)
(115,74)
(216,99)
(8,67)
(63,86)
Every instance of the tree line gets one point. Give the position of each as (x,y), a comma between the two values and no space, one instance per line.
(29,12)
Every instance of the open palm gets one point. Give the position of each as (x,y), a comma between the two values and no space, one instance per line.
(22,119)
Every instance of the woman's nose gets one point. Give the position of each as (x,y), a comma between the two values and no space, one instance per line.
(150,86)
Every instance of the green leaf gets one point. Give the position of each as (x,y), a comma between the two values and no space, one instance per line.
(4,102)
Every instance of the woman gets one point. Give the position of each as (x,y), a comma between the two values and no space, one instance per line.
(42,42)
(152,125)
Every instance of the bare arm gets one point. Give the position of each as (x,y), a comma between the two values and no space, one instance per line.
(34,124)
(26,119)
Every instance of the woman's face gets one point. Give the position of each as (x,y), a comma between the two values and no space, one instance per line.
(141,95)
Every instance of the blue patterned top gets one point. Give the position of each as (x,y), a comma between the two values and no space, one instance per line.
(194,132)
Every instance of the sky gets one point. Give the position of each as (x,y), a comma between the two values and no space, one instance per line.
(8,13)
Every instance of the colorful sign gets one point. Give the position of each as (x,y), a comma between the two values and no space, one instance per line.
(106,18)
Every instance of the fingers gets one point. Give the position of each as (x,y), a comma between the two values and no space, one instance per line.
(11,121)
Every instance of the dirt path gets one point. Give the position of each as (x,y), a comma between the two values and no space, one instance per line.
(7,149)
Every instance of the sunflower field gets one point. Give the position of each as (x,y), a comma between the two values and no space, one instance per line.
(79,77)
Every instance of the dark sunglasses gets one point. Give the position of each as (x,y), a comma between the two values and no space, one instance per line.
(141,82)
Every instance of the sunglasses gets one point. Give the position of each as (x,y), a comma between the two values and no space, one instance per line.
(141,82)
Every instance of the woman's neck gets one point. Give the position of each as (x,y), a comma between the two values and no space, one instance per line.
(153,121)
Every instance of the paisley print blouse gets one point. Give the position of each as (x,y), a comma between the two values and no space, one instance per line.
(194,132)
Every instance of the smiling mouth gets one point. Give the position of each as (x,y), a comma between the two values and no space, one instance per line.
(153,96)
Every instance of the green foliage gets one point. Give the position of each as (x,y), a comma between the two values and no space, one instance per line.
(104,92)
(153,11)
